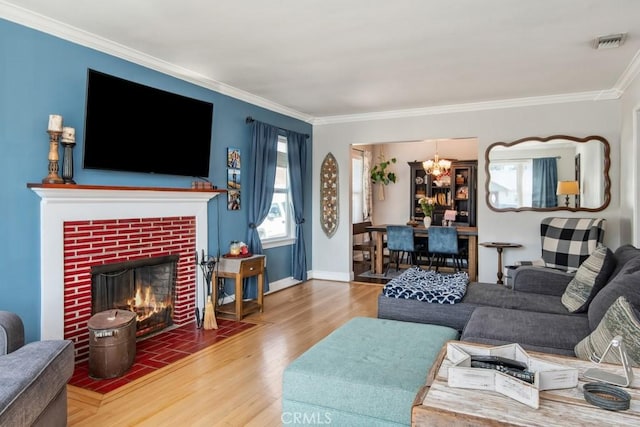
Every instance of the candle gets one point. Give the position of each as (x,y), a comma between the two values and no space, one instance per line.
(68,135)
(55,123)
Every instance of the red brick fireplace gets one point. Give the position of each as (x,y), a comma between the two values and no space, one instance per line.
(89,243)
(82,226)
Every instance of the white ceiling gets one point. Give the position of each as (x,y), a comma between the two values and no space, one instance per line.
(337,59)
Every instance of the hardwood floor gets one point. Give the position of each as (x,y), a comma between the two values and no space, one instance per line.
(237,382)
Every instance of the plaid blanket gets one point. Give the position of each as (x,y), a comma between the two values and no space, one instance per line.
(428,286)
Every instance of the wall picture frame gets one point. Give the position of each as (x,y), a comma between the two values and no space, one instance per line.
(233,200)
(233,179)
(233,158)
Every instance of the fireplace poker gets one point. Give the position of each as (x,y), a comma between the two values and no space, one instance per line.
(199,320)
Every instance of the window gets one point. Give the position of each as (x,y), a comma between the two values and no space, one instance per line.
(278,228)
(357,188)
(507,176)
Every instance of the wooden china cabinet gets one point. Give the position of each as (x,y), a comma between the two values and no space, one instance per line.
(456,190)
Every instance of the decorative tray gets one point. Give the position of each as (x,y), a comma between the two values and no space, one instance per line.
(247,255)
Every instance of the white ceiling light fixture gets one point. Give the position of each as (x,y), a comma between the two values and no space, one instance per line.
(437,166)
(609,42)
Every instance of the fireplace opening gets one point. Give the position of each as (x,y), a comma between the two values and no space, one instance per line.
(145,287)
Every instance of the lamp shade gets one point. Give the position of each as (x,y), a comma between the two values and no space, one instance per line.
(567,188)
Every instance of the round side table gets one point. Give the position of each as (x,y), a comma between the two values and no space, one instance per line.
(500,246)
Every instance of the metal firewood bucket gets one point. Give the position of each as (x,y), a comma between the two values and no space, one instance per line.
(112,343)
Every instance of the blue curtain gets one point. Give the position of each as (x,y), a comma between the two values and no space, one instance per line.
(263,156)
(297,156)
(545,181)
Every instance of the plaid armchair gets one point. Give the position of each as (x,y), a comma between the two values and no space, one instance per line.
(566,243)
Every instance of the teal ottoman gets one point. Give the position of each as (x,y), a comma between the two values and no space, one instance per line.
(365,373)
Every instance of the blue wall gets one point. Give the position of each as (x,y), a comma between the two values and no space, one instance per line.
(41,75)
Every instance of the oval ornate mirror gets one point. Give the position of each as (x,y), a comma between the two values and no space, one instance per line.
(559,172)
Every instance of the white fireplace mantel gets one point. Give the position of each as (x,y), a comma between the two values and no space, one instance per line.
(60,203)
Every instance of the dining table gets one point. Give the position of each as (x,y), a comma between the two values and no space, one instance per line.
(464,232)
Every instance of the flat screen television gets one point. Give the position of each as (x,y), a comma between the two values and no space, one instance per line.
(136,128)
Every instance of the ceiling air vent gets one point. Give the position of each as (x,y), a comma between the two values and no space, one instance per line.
(609,42)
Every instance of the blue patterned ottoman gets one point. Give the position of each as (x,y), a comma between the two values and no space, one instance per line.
(365,373)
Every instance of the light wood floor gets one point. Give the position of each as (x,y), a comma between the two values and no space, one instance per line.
(237,382)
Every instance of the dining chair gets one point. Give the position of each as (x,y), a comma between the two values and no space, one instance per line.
(443,245)
(400,240)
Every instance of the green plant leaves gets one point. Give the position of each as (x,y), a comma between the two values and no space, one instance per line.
(380,175)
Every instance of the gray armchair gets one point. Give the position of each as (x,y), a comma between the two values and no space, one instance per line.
(33,377)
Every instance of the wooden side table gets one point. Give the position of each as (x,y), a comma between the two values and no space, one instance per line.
(500,246)
(239,269)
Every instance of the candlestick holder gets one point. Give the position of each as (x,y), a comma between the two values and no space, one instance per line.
(53,177)
(67,161)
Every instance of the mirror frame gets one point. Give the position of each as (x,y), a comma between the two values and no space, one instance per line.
(607,180)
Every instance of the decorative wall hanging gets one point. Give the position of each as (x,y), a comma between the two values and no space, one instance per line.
(329,195)
(233,200)
(233,158)
(233,179)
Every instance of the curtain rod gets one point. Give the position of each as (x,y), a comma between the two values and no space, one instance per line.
(250,120)
(526,158)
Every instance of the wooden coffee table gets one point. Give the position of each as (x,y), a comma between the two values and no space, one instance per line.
(437,404)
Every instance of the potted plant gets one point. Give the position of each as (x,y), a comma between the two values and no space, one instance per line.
(380,174)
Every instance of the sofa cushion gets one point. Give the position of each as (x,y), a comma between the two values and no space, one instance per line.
(591,276)
(626,283)
(623,255)
(493,295)
(549,333)
(620,319)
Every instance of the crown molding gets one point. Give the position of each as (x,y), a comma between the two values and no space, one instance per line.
(629,74)
(472,106)
(67,32)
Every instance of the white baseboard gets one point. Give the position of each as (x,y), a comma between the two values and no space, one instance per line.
(278,285)
(330,275)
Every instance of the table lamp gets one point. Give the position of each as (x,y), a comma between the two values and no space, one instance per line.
(566,189)
(450,216)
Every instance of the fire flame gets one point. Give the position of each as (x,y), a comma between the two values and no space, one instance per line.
(144,303)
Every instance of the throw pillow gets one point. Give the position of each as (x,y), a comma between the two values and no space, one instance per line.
(591,276)
(620,319)
(626,283)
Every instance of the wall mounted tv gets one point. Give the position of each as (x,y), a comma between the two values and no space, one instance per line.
(136,128)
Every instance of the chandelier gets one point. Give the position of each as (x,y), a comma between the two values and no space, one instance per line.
(437,166)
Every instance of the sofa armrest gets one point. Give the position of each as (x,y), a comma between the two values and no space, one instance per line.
(32,377)
(540,280)
(11,332)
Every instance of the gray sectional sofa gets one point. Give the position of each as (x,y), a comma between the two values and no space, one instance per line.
(531,313)
(33,377)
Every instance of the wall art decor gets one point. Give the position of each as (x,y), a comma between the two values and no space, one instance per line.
(233,179)
(233,158)
(329,195)
(233,200)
